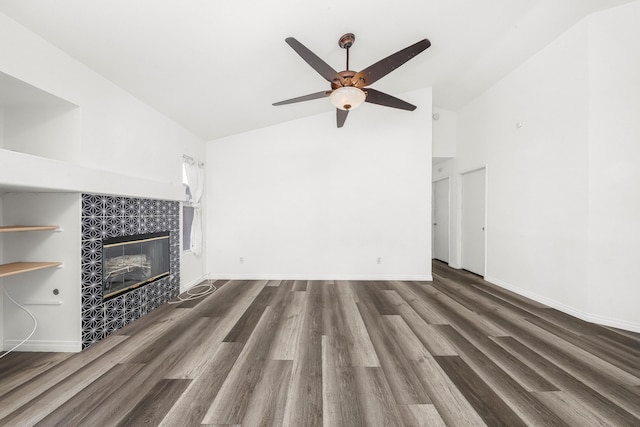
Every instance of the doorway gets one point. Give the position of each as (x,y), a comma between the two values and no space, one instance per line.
(440,220)
(473,221)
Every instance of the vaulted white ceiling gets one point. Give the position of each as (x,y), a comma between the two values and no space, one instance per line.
(216,67)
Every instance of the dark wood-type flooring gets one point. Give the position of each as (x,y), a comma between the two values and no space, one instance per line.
(457,351)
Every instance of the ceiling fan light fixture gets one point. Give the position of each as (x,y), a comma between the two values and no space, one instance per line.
(349,89)
(347,97)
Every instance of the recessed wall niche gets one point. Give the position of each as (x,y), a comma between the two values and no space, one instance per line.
(107,217)
(38,123)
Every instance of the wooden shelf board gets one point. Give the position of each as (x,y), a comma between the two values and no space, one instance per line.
(24,267)
(12,228)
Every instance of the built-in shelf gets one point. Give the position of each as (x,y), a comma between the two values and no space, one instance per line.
(14,268)
(25,267)
(13,228)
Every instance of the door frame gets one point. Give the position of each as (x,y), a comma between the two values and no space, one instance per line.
(433,239)
(459,214)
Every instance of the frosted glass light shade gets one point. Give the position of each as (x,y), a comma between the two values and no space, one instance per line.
(347,98)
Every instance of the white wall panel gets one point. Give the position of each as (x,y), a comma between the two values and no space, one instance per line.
(614,159)
(306,200)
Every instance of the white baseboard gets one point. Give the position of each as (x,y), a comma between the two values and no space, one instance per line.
(365,277)
(45,346)
(587,317)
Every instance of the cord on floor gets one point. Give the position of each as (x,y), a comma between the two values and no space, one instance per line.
(35,323)
(198,291)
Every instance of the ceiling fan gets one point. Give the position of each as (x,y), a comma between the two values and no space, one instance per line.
(349,89)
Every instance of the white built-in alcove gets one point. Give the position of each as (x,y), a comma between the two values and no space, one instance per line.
(42,179)
(37,123)
(39,132)
(51,294)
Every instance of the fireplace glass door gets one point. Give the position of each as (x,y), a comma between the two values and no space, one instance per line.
(133,261)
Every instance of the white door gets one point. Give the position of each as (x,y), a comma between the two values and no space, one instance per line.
(473,221)
(440,229)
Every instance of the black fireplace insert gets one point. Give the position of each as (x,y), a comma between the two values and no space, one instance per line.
(133,261)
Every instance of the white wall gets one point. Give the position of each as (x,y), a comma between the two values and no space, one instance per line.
(306,200)
(47,131)
(537,178)
(563,202)
(614,163)
(444,133)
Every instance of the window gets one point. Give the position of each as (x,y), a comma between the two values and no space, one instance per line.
(193,181)
(187,211)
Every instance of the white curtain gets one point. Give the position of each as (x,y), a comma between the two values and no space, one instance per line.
(195,176)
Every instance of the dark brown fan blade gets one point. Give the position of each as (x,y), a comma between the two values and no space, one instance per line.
(381,98)
(385,66)
(341,116)
(309,97)
(316,63)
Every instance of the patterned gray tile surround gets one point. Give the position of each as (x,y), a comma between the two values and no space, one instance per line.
(106,216)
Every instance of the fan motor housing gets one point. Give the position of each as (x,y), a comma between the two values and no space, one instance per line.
(348,77)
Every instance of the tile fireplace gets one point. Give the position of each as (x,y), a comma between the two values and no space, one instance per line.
(131,247)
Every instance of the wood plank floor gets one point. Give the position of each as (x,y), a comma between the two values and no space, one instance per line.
(457,351)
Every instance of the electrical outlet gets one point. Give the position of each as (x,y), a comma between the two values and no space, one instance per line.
(379,260)
(241,260)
